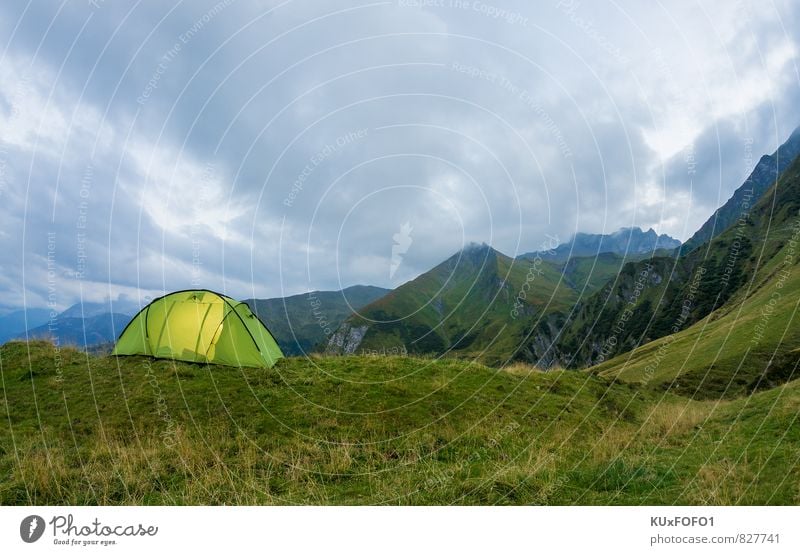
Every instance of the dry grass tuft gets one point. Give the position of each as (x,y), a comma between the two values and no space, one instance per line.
(522,369)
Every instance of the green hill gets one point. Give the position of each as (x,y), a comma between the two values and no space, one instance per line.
(376,430)
(472,304)
(589,274)
(300,323)
(654,298)
(753,341)
(763,176)
(476,304)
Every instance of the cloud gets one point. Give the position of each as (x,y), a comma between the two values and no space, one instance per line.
(267,148)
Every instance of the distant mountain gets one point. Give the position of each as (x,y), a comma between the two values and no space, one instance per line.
(80,332)
(300,323)
(626,241)
(762,178)
(87,309)
(85,324)
(15,322)
(473,302)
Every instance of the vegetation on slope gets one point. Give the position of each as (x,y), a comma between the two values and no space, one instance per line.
(748,345)
(477,304)
(654,298)
(763,176)
(300,323)
(382,430)
(473,303)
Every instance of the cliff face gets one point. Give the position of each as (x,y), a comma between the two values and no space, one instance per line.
(346,339)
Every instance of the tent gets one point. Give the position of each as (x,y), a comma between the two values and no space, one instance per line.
(199,326)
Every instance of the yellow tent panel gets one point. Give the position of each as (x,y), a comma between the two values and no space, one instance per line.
(199,326)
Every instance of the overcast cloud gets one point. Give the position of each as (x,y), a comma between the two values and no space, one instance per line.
(269,148)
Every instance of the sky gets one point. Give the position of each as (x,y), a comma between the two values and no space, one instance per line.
(268,148)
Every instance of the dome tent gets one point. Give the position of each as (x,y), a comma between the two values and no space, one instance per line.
(199,326)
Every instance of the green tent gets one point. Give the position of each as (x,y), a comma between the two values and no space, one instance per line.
(199,326)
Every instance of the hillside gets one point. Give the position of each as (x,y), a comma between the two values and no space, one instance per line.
(299,323)
(376,430)
(588,274)
(479,303)
(474,304)
(753,341)
(659,296)
(763,176)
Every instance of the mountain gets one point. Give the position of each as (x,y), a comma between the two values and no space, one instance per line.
(626,241)
(472,303)
(85,309)
(84,324)
(299,323)
(717,321)
(762,178)
(753,341)
(478,302)
(92,331)
(17,321)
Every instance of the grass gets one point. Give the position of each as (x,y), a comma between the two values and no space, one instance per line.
(80,429)
(749,344)
(474,305)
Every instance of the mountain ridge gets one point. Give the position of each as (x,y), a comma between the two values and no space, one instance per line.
(624,241)
(474,303)
(301,322)
(763,176)
(662,296)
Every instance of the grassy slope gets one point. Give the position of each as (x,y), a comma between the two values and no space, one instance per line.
(464,306)
(748,253)
(376,430)
(591,273)
(299,322)
(729,351)
(760,180)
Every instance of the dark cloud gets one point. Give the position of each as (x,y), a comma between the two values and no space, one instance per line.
(265,148)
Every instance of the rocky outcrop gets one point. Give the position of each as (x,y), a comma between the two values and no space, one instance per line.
(346,339)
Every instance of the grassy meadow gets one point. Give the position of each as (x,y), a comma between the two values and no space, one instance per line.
(82,429)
